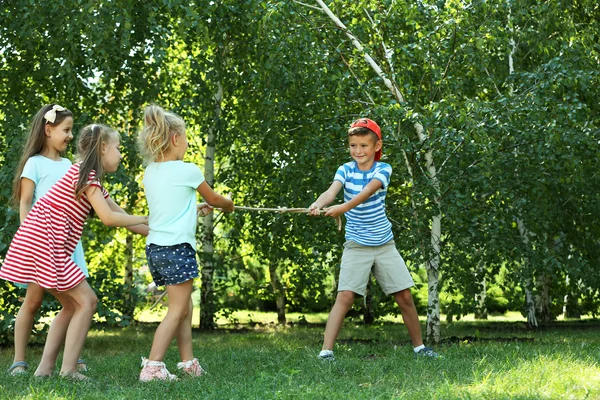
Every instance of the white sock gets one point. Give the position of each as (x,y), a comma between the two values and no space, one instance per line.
(419,348)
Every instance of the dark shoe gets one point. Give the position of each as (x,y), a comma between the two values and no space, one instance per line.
(427,352)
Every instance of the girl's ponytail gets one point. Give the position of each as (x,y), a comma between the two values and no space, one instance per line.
(159,126)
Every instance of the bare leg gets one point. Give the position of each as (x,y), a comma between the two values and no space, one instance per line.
(409,315)
(343,302)
(25,317)
(183,336)
(56,335)
(85,302)
(179,298)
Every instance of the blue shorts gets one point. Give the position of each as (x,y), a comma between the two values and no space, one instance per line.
(171,265)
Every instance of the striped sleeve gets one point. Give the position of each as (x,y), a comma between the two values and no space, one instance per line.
(340,174)
(383,174)
(92,181)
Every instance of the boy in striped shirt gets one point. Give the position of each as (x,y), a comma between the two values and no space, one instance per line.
(369,239)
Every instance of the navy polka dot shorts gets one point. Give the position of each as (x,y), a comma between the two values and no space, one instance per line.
(171,265)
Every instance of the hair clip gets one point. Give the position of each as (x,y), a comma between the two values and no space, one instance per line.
(50,115)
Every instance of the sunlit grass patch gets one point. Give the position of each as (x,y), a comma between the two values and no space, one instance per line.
(503,361)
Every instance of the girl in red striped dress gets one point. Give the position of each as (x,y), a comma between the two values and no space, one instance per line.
(40,251)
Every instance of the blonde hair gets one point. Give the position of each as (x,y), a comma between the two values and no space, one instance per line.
(159,126)
(89,152)
(35,143)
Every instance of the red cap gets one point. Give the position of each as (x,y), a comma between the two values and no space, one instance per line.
(373,127)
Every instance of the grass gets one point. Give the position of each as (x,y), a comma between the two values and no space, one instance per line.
(483,360)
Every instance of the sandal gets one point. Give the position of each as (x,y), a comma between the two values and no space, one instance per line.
(18,368)
(81,365)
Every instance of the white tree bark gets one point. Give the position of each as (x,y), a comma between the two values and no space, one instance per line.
(523,231)
(433,310)
(207,309)
(482,312)
(529,300)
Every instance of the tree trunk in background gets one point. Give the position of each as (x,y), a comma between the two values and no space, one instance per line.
(129,305)
(543,300)
(368,315)
(523,232)
(571,306)
(207,306)
(279,291)
(434,330)
(481,311)
(529,300)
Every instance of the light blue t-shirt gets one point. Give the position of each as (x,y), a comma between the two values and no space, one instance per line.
(367,224)
(44,173)
(170,188)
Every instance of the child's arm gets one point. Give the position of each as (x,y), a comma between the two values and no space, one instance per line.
(364,194)
(325,198)
(108,216)
(26,199)
(215,199)
(141,229)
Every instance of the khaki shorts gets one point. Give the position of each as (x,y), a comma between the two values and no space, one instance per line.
(387,264)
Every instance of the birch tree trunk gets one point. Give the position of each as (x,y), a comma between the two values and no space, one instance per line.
(543,300)
(207,307)
(570,307)
(481,311)
(523,232)
(368,317)
(432,265)
(529,300)
(279,291)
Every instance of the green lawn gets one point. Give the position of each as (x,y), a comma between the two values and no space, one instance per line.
(483,360)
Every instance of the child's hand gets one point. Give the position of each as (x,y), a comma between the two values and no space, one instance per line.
(204,209)
(335,211)
(314,209)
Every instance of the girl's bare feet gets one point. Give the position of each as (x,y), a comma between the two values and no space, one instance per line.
(74,375)
(44,370)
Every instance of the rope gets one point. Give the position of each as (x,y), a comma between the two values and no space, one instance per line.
(280,210)
(283,210)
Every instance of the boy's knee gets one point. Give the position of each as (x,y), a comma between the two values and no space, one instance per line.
(345,297)
(404,298)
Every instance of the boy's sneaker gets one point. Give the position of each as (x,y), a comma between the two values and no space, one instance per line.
(155,370)
(191,367)
(326,355)
(427,352)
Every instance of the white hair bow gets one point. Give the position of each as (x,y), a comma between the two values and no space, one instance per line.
(51,114)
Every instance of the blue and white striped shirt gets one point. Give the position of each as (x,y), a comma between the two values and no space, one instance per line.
(367,223)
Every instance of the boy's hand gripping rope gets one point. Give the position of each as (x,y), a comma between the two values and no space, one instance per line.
(283,210)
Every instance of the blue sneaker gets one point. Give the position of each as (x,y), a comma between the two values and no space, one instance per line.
(427,352)
(326,355)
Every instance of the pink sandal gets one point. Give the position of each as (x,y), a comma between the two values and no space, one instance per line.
(155,370)
(191,367)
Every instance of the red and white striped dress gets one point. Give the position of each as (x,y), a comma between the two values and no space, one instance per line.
(41,249)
